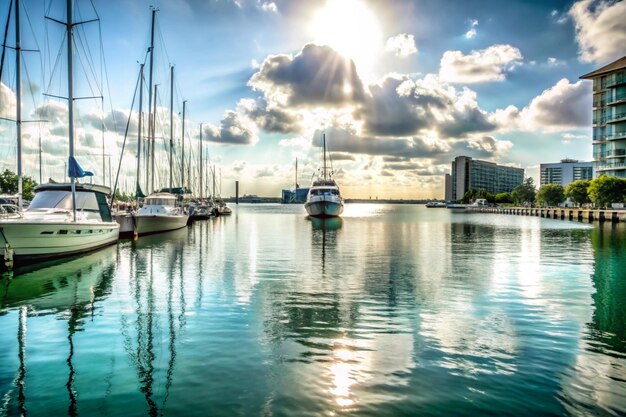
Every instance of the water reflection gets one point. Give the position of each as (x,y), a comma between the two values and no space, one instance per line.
(68,289)
(156,264)
(597,375)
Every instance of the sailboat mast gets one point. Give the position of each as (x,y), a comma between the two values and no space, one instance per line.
(324,153)
(139,128)
(171,124)
(200,160)
(70,97)
(150,115)
(182,149)
(18,94)
(153,140)
(296,174)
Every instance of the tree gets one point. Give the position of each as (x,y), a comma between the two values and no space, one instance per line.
(474,194)
(503,198)
(550,195)
(8,184)
(578,192)
(525,192)
(605,190)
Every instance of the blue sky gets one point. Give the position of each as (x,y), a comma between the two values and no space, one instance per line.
(401,87)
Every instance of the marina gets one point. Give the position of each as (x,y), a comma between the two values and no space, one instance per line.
(449,242)
(271,312)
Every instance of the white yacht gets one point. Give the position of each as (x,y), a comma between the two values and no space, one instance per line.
(48,228)
(160,213)
(324,198)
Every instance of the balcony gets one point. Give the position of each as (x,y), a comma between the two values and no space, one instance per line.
(619,117)
(618,99)
(611,167)
(618,135)
(615,153)
(615,81)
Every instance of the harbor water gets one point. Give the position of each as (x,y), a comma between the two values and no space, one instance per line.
(391,310)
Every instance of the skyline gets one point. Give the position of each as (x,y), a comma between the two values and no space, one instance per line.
(401,87)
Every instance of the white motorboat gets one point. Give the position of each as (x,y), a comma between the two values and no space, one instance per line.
(48,229)
(160,213)
(324,198)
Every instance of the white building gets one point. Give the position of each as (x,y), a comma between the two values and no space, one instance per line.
(565,172)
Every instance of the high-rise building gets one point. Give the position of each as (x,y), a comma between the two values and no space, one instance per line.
(448,183)
(468,174)
(565,172)
(609,118)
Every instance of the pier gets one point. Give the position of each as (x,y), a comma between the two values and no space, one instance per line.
(561,213)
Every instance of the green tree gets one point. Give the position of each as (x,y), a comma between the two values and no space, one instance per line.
(550,195)
(474,194)
(525,192)
(605,190)
(578,192)
(503,198)
(8,184)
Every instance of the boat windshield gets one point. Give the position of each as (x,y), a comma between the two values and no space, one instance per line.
(324,191)
(60,199)
(160,202)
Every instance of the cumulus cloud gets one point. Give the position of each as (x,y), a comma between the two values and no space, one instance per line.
(600,29)
(317,75)
(480,66)
(472,30)
(562,106)
(402,45)
(8,102)
(401,106)
(270,118)
(234,129)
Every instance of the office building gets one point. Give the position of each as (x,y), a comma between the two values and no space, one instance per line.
(448,187)
(609,118)
(565,172)
(468,174)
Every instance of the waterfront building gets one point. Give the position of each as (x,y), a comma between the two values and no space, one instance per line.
(468,173)
(609,118)
(448,187)
(565,172)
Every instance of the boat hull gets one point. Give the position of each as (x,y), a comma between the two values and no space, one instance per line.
(324,208)
(43,240)
(155,224)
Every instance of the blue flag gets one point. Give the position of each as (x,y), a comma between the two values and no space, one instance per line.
(75,171)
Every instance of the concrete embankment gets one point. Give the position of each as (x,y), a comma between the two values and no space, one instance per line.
(562,213)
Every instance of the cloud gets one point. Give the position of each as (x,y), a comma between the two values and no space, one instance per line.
(8,102)
(479,66)
(268,6)
(472,30)
(562,106)
(234,129)
(401,106)
(270,118)
(317,75)
(402,45)
(401,150)
(600,29)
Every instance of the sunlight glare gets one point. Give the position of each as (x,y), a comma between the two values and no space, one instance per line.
(352,29)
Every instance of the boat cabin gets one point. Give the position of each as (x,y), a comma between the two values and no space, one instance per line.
(324,191)
(91,200)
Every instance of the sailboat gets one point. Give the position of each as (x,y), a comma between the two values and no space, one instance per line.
(324,198)
(62,219)
(161,211)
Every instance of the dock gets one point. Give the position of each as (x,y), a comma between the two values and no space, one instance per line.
(561,213)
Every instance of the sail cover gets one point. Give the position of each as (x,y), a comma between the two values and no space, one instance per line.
(75,171)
